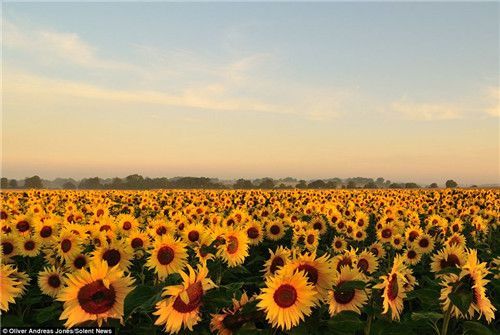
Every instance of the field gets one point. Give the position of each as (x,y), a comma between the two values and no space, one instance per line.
(252,262)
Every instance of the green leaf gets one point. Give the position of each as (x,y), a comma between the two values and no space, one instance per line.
(476,328)
(51,312)
(432,316)
(12,321)
(461,299)
(448,270)
(142,297)
(351,285)
(345,322)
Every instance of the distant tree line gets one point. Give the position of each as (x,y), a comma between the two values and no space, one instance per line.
(138,182)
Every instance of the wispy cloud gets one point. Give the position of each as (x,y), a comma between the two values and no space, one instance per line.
(426,111)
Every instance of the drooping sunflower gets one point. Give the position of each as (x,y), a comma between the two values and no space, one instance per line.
(169,255)
(230,319)
(51,281)
(471,279)
(235,248)
(393,287)
(10,287)
(94,295)
(449,256)
(181,306)
(287,299)
(347,299)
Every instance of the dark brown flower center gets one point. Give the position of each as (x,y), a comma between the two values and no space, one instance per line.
(310,239)
(252,232)
(96,298)
(66,245)
(338,244)
(411,254)
(137,243)
(345,261)
(23,226)
(54,281)
(275,229)
(386,233)
(232,244)
(79,262)
(423,243)
(7,248)
(392,287)
(285,296)
(46,231)
(127,225)
(194,293)
(412,236)
(29,245)
(451,261)
(112,257)
(165,255)
(193,235)
(343,297)
(363,265)
(311,273)
(276,263)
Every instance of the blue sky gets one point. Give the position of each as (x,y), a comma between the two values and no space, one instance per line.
(408,91)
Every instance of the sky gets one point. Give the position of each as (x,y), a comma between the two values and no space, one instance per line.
(405,91)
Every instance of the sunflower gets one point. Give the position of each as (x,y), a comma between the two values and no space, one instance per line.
(397,242)
(29,246)
(169,255)
(230,319)
(412,256)
(114,253)
(126,224)
(254,232)
(192,233)
(68,244)
(448,257)
(339,244)
(311,239)
(51,281)
(348,299)
(366,262)
(159,227)
(345,259)
(287,299)
(412,233)
(9,248)
(393,287)
(23,224)
(385,233)
(318,224)
(181,306)
(359,235)
(235,248)
(46,229)
(276,260)
(275,230)
(78,262)
(318,271)
(10,287)
(424,243)
(94,295)
(471,279)
(456,239)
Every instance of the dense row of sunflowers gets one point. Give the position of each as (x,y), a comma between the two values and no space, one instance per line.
(343,262)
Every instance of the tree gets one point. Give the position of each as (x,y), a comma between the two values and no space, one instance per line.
(243,184)
(371,184)
(4,183)
(351,184)
(451,183)
(33,182)
(90,184)
(331,184)
(317,184)
(13,183)
(266,183)
(301,184)
(433,185)
(411,185)
(68,186)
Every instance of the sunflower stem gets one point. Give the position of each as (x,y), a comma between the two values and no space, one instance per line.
(446,320)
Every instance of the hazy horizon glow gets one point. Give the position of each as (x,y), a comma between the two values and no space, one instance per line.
(404,91)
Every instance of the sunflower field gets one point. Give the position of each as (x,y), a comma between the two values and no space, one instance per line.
(252,262)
